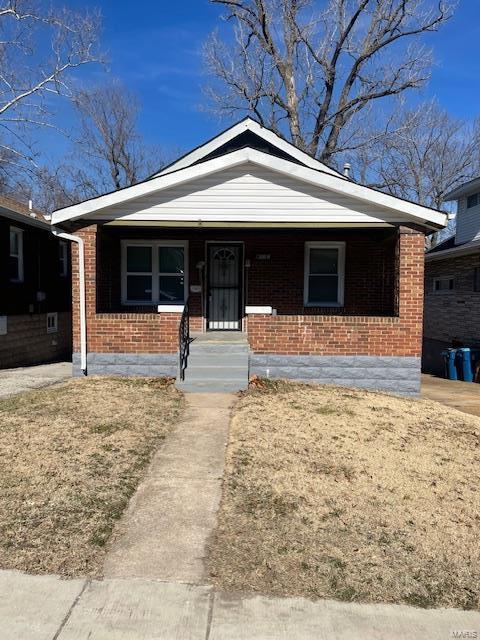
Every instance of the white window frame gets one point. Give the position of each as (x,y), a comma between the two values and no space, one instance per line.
(442,292)
(52,322)
(340,246)
(19,256)
(154,245)
(63,258)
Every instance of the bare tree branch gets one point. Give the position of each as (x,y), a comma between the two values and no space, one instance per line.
(315,69)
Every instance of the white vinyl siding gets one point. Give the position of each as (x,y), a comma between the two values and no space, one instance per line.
(245,193)
(324,274)
(468,222)
(154,272)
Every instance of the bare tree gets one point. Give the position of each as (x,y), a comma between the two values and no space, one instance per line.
(109,153)
(40,46)
(312,73)
(426,154)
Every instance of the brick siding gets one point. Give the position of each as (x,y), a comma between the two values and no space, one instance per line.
(383,293)
(453,316)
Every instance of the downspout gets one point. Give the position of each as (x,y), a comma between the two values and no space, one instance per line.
(81,283)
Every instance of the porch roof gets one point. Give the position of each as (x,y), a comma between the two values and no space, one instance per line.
(360,205)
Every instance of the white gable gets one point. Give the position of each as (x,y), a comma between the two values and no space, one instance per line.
(201,152)
(248,193)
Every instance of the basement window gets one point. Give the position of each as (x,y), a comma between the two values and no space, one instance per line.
(52,322)
(154,272)
(324,274)
(445,284)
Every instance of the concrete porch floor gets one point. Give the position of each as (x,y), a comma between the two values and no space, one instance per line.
(464,396)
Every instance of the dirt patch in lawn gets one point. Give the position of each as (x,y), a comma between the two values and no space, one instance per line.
(70,458)
(336,493)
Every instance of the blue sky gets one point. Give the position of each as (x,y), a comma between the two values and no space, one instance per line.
(155,49)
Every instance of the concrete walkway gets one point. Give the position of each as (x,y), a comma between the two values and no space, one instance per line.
(47,608)
(464,396)
(164,532)
(13,381)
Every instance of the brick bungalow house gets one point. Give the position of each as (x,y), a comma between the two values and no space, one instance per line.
(452,283)
(35,289)
(275,263)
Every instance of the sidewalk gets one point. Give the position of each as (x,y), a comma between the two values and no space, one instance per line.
(164,532)
(47,608)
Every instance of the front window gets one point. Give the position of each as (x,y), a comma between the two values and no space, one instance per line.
(154,272)
(16,255)
(324,274)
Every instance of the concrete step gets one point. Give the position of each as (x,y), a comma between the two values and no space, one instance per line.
(211,386)
(218,360)
(219,348)
(217,373)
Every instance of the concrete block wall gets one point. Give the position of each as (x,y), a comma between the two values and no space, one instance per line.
(27,341)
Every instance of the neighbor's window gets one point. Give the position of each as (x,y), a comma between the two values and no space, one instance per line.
(52,322)
(476,279)
(154,272)
(445,284)
(324,274)
(473,200)
(63,258)
(16,255)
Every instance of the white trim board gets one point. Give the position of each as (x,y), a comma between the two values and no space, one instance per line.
(241,127)
(414,212)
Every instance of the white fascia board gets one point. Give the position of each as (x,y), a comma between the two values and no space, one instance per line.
(243,156)
(248,125)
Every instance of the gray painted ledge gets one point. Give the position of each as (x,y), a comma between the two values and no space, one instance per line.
(399,375)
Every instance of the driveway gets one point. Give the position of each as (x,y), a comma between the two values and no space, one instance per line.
(464,396)
(13,381)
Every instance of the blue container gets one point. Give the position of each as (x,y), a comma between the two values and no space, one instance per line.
(465,364)
(449,359)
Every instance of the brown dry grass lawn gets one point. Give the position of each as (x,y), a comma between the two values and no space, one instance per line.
(333,493)
(70,458)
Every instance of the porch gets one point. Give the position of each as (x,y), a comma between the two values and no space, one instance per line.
(316,304)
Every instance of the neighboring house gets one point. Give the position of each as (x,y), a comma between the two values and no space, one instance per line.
(35,288)
(452,282)
(323,276)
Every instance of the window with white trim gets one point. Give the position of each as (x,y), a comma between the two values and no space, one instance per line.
(16,255)
(154,272)
(324,274)
(445,284)
(63,258)
(52,322)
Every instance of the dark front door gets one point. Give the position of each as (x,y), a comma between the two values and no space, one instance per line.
(224,311)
